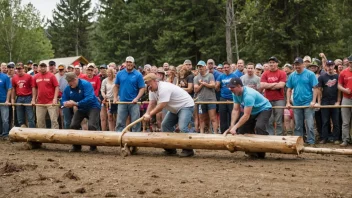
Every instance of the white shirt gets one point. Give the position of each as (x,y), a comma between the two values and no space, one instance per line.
(175,96)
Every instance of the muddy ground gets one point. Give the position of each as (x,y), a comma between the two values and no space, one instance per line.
(54,172)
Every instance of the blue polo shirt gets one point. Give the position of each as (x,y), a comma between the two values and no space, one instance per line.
(5,85)
(83,94)
(252,98)
(238,73)
(302,85)
(216,74)
(224,81)
(130,84)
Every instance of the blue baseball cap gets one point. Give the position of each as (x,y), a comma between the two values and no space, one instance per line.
(201,63)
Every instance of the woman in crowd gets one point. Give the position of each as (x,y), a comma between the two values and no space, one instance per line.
(172,77)
(107,93)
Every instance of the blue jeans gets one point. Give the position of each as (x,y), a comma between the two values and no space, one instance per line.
(4,111)
(182,118)
(22,110)
(306,114)
(68,114)
(123,111)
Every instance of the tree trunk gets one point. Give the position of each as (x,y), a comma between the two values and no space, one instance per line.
(229,18)
(250,143)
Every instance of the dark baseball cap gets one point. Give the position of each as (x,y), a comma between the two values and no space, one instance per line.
(103,66)
(273,58)
(234,82)
(51,63)
(30,62)
(349,59)
(330,62)
(298,60)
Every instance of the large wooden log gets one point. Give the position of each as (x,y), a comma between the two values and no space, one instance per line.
(250,143)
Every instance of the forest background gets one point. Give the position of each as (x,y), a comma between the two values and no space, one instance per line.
(157,31)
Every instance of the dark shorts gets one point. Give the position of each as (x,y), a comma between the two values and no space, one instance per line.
(204,108)
(113,109)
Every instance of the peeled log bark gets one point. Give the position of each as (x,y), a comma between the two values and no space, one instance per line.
(250,143)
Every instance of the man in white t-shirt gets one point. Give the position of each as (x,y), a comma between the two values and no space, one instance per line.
(177,101)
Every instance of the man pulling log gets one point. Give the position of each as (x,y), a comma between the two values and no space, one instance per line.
(80,94)
(177,101)
(256,112)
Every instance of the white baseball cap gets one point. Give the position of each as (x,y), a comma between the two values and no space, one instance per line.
(130,59)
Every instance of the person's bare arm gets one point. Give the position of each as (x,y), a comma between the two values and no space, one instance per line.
(288,97)
(343,90)
(265,85)
(217,86)
(13,93)
(279,85)
(242,121)
(189,88)
(34,95)
(210,85)
(315,94)
(116,92)
(140,94)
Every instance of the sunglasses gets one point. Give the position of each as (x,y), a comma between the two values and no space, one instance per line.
(89,70)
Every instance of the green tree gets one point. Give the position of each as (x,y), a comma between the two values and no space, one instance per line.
(23,37)
(154,32)
(287,29)
(69,28)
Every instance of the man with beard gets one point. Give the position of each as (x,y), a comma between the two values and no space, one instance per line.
(225,95)
(45,91)
(129,87)
(177,101)
(273,82)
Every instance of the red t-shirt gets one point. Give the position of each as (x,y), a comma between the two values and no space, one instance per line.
(45,84)
(274,77)
(95,81)
(82,76)
(22,84)
(345,79)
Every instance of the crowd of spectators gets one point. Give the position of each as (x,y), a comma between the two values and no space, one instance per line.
(303,82)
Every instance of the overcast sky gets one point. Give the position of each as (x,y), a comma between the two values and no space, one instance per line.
(46,7)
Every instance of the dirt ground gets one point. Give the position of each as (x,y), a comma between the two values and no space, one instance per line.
(54,172)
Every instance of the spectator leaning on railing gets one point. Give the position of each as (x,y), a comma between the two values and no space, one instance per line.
(22,93)
(304,83)
(5,92)
(345,86)
(45,91)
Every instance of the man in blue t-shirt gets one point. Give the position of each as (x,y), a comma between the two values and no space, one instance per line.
(225,110)
(129,87)
(303,83)
(5,92)
(240,68)
(257,111)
